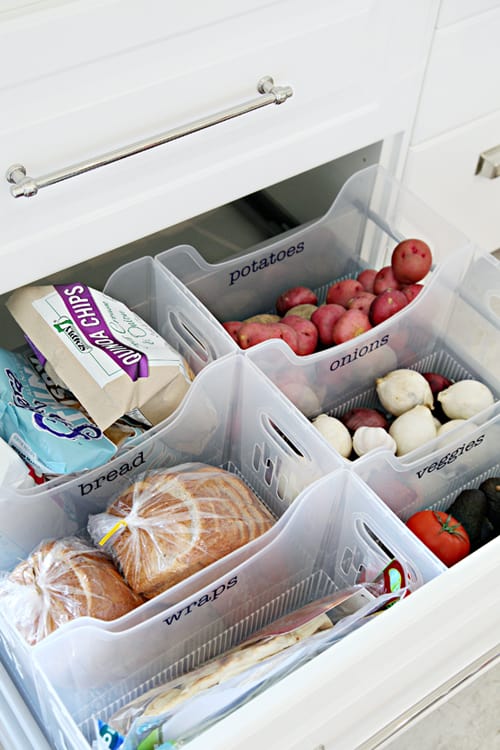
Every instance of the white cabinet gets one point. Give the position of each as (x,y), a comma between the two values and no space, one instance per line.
(458,119)
(82,79)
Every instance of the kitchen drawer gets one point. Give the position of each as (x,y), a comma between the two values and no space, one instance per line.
(453,11)
(443,170)
(100,76)
(462,81)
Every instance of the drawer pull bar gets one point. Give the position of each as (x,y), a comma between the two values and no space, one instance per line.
(24,185)
(488,164)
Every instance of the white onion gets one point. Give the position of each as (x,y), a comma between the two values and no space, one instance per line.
(335,432)
(366,439)
(447,426)
(413,429)
(465,398)
(401,390)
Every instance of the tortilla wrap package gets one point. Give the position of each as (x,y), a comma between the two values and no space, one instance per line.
(171,714)
(105,354)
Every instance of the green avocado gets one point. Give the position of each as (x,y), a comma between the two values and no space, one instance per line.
(469,507)
(491,489)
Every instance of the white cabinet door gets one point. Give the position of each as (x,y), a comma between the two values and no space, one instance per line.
(442,171)
(82,78)
(462,81)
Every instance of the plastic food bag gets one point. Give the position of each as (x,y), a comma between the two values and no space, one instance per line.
(51,437)
(14,472)
(171,523)
(178,711)
(60,580)
(106,355)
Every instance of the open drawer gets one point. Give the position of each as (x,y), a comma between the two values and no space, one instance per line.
(439,639)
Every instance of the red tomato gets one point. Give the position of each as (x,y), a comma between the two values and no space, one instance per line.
(442,533)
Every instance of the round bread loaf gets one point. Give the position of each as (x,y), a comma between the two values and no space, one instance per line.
(177,522)
(63,579)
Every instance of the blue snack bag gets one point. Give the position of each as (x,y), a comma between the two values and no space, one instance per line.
(52,437)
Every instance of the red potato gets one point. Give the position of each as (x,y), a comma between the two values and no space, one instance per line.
(306,331)
(341,292)
(361,301)
(351,324)
(386,304)
(437,382)
(366,278)
(411,260)
(411,290)
(384,280)
(290,336)
(251,334)
(364,417)
(297,295)
(232,327)
(324,318)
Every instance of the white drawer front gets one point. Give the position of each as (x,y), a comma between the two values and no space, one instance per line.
(442,172)
(462,81)
(453,11)
(92,84)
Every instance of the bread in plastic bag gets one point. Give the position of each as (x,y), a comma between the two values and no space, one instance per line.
(171,523)
(59,581)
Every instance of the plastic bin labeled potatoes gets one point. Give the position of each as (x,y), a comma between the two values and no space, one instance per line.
(451,327)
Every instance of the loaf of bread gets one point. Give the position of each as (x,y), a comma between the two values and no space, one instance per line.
(61,580)
(177,521)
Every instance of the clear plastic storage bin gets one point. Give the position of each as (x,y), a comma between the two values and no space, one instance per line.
(460,460)
(159,299)
(335,532)
(370,215)
(452,327)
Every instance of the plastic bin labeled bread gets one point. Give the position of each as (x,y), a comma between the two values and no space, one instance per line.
(171,523)
(165,527)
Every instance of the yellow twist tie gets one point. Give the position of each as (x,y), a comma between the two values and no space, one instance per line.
(112,531)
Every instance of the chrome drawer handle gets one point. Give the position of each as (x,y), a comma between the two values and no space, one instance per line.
(488,164)
(24,185)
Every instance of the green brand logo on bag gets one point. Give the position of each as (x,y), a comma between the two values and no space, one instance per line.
(65,326)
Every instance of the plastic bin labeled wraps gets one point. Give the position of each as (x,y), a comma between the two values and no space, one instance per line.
(451,327)
(336,532)
(233,418)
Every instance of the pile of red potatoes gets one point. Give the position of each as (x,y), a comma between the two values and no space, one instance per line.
(352,306)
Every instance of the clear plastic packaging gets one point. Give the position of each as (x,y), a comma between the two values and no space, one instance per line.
(110,358)
(61,580)
(187,705)
(171,523)
(49,435)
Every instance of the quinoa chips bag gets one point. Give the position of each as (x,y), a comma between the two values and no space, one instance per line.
(105,354)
